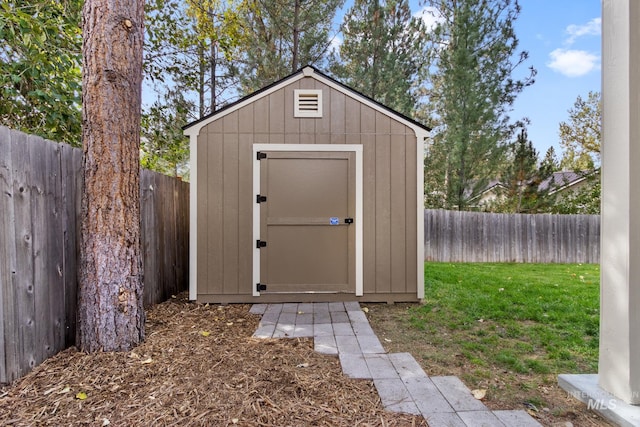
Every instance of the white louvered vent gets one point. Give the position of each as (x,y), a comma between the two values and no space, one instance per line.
(307,103)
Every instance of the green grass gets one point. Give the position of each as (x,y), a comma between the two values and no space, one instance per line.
(524,318)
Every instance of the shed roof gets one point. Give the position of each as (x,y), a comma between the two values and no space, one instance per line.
(307,71)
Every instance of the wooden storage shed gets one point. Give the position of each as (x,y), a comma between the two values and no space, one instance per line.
(306,191)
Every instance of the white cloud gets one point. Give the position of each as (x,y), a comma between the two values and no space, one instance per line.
(591,28)
(573,63)
(430,16)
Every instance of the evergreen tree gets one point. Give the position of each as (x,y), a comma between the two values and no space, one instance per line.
(110,310)
(282,36)
(470,92)
(522,179)
(580,136)
(382,52)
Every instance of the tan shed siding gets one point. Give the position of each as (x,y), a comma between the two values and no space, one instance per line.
(383,212)
(214,260)
(230,214)
(225,191)
(398,212)
(245,216)
(324,125)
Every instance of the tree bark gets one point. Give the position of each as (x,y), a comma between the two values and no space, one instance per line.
(111,314)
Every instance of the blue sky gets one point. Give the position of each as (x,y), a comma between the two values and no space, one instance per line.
(564,44)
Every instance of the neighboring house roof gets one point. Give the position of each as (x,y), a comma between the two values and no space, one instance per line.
(307,71)
(560,181)
(557,182)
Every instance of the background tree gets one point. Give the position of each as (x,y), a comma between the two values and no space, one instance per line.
(164,147)
(585,200)
(382,52)
(471,90)
(40,68)
(580,136)
(522,179)
(110,312)
(282,36)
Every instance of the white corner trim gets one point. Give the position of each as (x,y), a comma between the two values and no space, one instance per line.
(256,222)
(193,216)
(357,149)
(421,136)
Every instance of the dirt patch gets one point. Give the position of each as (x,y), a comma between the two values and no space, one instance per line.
(538,394)
(198,366)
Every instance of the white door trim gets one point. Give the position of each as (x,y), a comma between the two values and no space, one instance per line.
(357,149)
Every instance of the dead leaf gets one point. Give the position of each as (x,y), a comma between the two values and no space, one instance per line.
(302,365)
(81,395)
(146,361)
(365,309)
(205,333)
(479,393)
(67,389)
(229,323)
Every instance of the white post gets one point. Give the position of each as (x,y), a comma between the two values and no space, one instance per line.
(619,365)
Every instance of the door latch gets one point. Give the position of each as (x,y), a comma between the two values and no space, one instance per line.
(348,220)
(261,244)
(261,287)
(261,199)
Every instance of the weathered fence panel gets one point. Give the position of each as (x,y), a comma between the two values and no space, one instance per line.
(453,236)
(40,195)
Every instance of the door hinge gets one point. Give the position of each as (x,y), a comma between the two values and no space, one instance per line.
(261,287)
(260,155)
(261,244)
(348,220)
(261,199)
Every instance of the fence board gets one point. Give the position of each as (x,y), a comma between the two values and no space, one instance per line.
(8,331)
(40,198)
(452,236)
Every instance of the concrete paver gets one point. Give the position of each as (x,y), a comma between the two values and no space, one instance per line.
(325,344)
(380,366)
(516,418)
(395,396)
(347,345)
(480,419)
(444,419)
(370,344)
(457,394)
(343,330)
(354,366)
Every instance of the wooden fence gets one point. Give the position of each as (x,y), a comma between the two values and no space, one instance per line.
(40,188)
(453,236)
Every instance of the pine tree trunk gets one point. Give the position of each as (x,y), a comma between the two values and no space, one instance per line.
(111,314)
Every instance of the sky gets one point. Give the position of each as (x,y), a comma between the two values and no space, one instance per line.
(563,39)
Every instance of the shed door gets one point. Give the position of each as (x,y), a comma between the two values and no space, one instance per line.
(305,222)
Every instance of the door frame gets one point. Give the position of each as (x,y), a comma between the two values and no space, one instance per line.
(357,149)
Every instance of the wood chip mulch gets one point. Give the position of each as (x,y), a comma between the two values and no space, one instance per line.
(198,366)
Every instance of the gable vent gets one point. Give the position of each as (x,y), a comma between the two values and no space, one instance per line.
(307,103)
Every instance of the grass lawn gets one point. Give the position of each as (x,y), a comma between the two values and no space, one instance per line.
(524,317)
(507,328)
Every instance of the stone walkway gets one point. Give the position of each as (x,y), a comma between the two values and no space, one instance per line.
(342,330)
